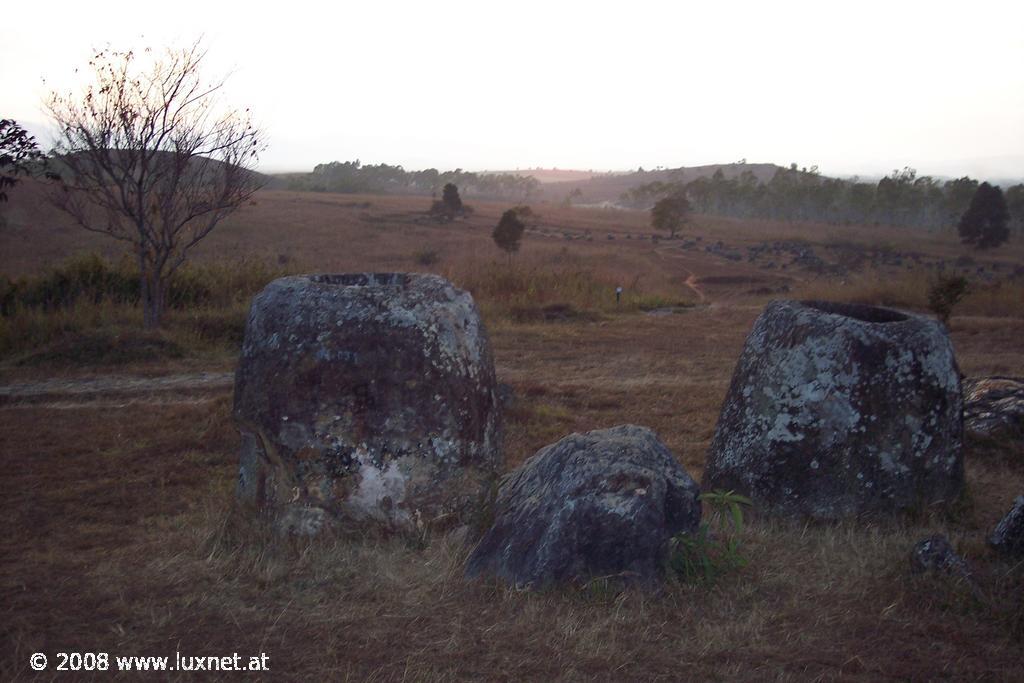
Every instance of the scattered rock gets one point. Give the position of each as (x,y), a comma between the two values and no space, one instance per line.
(1008,536)
(365,398)
(935,554)
(838,410)
(723,251)
(596,504)
(669,310)
(994,407)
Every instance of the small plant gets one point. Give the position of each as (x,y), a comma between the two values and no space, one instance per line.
(427,257)
(946,293)
(418,538)
(704,556)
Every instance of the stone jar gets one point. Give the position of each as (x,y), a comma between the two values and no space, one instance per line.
(837,410)
(365,399)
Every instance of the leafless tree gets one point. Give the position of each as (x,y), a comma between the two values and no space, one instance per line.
(150,156)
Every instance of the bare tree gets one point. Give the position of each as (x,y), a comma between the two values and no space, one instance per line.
(151,157)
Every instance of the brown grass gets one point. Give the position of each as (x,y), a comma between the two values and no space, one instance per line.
(121,535)
(122,539)
(1004,298)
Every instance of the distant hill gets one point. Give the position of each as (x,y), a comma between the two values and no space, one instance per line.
(608,187)
(212,167)
(558,175)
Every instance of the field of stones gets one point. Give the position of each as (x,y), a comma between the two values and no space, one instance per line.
(330,491)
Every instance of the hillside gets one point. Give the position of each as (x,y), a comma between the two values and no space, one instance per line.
(609,187)
(556,175)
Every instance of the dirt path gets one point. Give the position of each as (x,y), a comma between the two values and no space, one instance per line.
(691,281)
(116,391)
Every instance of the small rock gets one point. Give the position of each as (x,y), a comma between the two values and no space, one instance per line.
(994,407)
(936,554)
(1008,536)
(596,504)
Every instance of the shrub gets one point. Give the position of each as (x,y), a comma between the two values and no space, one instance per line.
(704,556)
(986,222)
(104,346)
(450,198)
(426,257)
(945,293)
(82,278)
(86,311)
(450,204)
(552,313)
(91,279)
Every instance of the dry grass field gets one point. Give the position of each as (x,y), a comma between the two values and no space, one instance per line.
(122,537)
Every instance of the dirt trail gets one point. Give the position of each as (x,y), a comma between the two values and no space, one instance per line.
(691,281)
(115,391)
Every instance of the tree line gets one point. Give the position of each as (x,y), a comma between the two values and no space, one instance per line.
(900,199)
(353,177)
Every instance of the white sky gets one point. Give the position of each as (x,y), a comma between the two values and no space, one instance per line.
(851,86)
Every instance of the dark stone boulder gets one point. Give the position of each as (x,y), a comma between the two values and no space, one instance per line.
(1008,536)
(935,554)
(596,504)
(994,407)
(365,399)
(838,410)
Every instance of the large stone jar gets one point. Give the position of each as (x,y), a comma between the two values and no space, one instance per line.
(838,410)
(365,400)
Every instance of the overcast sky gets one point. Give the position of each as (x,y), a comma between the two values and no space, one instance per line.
(853,86)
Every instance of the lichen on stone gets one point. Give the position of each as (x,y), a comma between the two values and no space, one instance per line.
(838,410)
(376,391)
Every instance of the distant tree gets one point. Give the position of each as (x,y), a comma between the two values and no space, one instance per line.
(860,203)
(451,199)
(958,194)
(19,156)
(576,193)
(151,158)
(509,232)
(1015,204)
(984,224)
(644,196)
(526,214)
(450,204)
(671,213)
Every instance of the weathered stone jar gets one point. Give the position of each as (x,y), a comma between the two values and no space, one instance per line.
(365,399)
(838,410)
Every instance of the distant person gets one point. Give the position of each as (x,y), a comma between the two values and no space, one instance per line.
(618,295)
